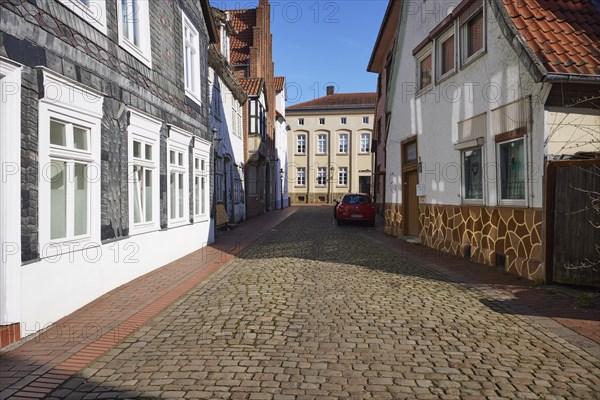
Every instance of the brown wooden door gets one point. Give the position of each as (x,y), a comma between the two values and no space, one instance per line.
(411,204)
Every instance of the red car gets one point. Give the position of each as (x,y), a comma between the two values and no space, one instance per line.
(355,207)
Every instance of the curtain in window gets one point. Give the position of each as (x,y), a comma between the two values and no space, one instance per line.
(512,170)
(472,170)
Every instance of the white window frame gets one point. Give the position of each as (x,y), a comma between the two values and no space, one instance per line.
(322,121)
(463,174)
(146,130)
(72,103)
(365,120)
(301,144)
(300,121)
(343,176)
(420,57)
(201,153)
(464,36)
(141,8)
(439,57)
(344,149)
(93,13)
(344,120)
(368,142)
(193,89)
(513,202)
(179,142)
(301,176)
(322,143)
(321,178)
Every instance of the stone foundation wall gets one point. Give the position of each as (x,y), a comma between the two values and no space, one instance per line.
(393,220)
(509,237)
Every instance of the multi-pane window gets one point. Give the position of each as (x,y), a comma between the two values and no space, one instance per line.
(343,143)
(143,182)
(343,176)
(301,176)
(70,162)
(365,142)
(512,170)
(300,121)
(321,176)
(301,144)
(134,28)
(144,146)
(445,54)
(472,166)
(322,144)
(191,59)
(473,35)
(343,120)
(236,118)
(365,120)
(425,71)
(200,188)
(69,165)
(321,121)
(177,177)
(92,11)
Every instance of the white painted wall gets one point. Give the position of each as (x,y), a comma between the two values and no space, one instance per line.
(56,286)
(10,192)
(494,79)
(231,134)
(569,133)
(281,144)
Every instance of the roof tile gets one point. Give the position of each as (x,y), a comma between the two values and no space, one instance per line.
(563,34)
(243,21)
(251,86)
(338,100)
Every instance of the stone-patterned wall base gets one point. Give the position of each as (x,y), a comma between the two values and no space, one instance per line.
(393,220)
(486,235)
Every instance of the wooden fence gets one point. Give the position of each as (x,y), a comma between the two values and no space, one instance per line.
(572,216)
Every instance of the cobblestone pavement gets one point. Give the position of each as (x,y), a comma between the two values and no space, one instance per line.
(316,311)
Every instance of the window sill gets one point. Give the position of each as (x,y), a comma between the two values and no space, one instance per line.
(140,229)
(143,56)
(195,97)
(364,153)
(342,154)
(176,223)
(201,218)
(471,59)
(423,91)
(446,76)
(58,249)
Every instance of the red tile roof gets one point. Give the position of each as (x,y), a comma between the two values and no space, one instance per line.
(339,100)
(563,34)
(279,81)
(252,86)
(243,21)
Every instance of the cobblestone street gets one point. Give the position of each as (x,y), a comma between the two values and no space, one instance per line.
(313,310)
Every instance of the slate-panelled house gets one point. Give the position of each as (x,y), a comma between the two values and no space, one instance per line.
(252,60)
(104,124)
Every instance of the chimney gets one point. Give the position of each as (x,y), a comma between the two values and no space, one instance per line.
(330,90)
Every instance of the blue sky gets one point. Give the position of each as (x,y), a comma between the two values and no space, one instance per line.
(321,43)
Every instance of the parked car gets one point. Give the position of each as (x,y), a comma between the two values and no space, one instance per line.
(354,207)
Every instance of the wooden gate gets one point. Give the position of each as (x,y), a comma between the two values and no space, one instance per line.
(572,214)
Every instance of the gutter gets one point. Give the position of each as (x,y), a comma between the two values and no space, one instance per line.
(557,77)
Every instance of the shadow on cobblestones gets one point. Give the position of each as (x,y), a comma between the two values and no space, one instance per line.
(313,310)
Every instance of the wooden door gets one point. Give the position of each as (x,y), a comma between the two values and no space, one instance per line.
(412,227)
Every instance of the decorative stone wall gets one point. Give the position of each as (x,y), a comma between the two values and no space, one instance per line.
(490,235)
(393,220)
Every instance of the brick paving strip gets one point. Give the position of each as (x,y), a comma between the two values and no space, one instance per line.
(42,363)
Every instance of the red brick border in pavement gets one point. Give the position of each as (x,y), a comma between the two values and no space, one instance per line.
(517,293)
(39,365)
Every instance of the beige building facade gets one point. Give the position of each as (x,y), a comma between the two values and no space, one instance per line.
(329,147)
